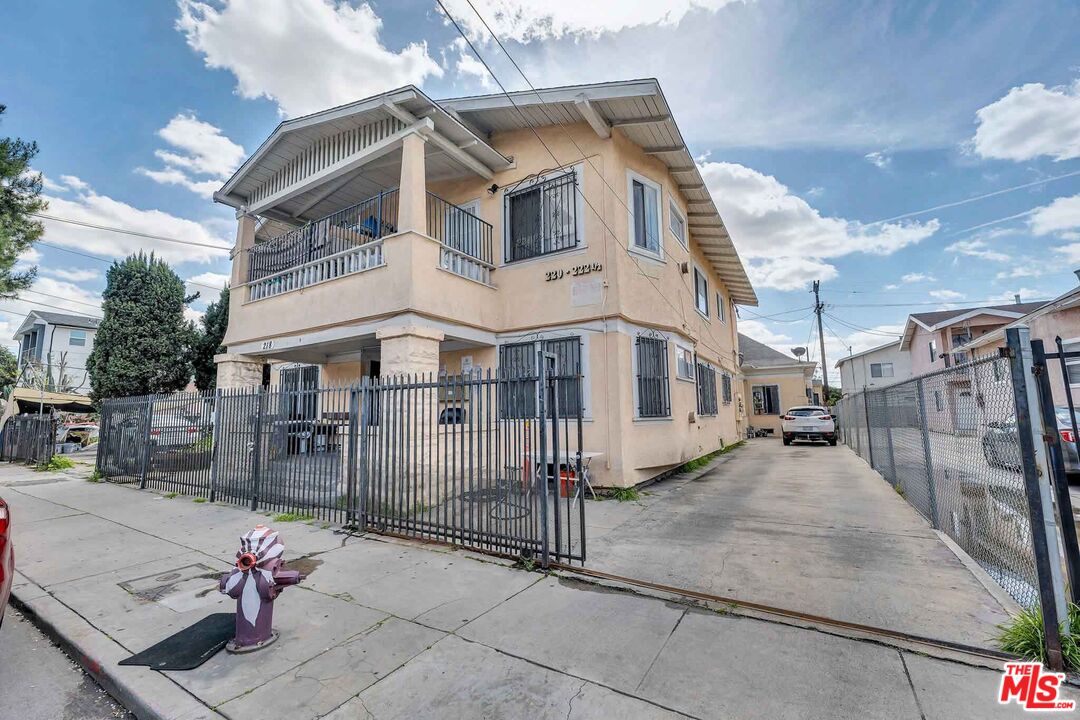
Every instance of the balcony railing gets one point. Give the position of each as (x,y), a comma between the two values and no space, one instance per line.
(345,230)
(466,239)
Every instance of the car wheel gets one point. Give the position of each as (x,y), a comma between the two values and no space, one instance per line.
(833,442)
(787,441)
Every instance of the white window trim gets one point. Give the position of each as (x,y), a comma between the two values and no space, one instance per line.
(673,210)
(84,338)
(634,384)
(631,176)
(586,371)
(693,362)
(698,270)
(721,307)
(579,215)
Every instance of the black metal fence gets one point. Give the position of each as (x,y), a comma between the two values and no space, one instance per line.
(459,229)
(963,447)
(29,438)
(450,459)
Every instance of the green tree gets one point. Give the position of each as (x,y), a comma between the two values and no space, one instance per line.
(143,343)
(9,370)
(208,341)
(20,192)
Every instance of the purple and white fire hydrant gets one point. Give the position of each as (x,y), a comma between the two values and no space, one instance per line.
(255,582)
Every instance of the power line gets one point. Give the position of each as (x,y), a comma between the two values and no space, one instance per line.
(778,314)
(860,328)
(991,302)
(125,231)
(58,297)
(107,261)
(54,307)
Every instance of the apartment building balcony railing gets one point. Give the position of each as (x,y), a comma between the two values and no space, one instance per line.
(466,239)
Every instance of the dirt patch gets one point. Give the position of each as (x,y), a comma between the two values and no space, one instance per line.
(305,565)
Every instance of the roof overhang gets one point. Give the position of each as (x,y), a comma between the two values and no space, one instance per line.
(638,110)
(1066,301)
(886,346)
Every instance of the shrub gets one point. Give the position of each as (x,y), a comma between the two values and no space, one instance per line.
(1024,635)
(59,462)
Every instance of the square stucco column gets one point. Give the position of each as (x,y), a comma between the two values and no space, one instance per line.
(409,349)
(245,239)
(234,371)
(412,192)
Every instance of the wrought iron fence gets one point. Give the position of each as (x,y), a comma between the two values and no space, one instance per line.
(439,458)
(29,438)
(949,443)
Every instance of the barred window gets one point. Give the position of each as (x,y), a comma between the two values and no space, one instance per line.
(725,388)
(517,362)
(706,389)
(300,392)
(542,218)
(568,372)
(654,399)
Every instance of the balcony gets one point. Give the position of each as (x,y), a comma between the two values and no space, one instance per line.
(350,241)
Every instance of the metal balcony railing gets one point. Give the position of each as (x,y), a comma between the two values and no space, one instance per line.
(458,229)
(348,229)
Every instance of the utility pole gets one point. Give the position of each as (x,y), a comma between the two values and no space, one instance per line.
(818,307)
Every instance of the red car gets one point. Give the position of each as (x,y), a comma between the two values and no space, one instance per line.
(7,557)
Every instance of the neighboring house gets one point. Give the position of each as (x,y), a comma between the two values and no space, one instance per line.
(935,340)
(883,365)
(54,349)
(773,382)
(398,234)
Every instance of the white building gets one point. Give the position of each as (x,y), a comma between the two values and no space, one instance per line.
(59,345)
(876,367)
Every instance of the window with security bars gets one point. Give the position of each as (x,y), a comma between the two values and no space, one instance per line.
(654,399)
(706,389)
(725,388)
(542,218)
(300,392)
(517,362)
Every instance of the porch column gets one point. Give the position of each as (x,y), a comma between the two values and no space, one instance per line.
(408,349)
(234,370)
(245,239)
(412,191)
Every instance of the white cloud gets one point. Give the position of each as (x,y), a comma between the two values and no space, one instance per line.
(305,55)
(1030,121)
(878,158)
(30,255)
(1060,216)
(74,183)
(1026,295)
(1028,270)
(200,150)
(762,333)
(784,239)
(469,66)
(192,314)
(74,274)
(52,185)
(946,294)
(89,207)
(527,20)
(218,280)
(917,277)
(978,249)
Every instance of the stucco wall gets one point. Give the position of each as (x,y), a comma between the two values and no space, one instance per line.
(792,385)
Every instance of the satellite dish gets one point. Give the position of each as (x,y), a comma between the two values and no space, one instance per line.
(798,352)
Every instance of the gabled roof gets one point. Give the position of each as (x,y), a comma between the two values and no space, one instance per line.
(640,111)
(53,318)
(759,355)
(841,361)
(1065,301)
(933,321)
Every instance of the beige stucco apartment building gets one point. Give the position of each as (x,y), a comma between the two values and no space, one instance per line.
(398,235)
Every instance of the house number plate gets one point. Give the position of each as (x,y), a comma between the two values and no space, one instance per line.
(574,271)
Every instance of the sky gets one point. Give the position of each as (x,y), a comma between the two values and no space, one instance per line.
(909,155)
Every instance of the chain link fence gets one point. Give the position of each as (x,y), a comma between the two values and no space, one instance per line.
(948,442)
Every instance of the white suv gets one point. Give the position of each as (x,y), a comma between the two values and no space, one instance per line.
(808,422)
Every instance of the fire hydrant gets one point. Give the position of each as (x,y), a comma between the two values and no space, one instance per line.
(255,582)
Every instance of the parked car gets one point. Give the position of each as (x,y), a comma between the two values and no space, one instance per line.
(1001,444)
(171,428)
(7,557)
(808,422)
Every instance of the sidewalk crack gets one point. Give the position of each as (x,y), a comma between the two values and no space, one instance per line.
(661,650)
(911,684)
(575,696)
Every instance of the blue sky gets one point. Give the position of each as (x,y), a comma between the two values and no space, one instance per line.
(812,121)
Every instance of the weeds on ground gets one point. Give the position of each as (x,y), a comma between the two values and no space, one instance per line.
(698,463)
(1024,635)
(58,462)
(95,477)
(292,517)
(624,494)
(170,496)
(198,500)
(527,564)
(899,490)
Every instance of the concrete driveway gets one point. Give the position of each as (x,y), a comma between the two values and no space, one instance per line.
(809,528)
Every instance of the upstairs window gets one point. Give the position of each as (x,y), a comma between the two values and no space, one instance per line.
(645,222)
(677,223)
(881,370)
(721,308)
(77,338)
(701,292)
(654,399)
(542,218)
(932,346)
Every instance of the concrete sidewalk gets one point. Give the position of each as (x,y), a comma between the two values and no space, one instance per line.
(387,629)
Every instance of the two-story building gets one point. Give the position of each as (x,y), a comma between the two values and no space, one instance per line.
(397,235)
(876,367)
(54,348)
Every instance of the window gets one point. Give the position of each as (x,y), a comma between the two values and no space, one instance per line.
(677,223)
(706,389)
(725,388)
(881,370)
(933,351)
(517,363)
(721,308)
(300,392)
(645,222)
(684,363)
(766,399)
(542,218)
(653,398)
(701,292)
(77,338)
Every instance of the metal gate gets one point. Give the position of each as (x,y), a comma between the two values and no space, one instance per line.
(489,461)
(30,438)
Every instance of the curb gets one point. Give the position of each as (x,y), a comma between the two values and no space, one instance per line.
(147,694)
